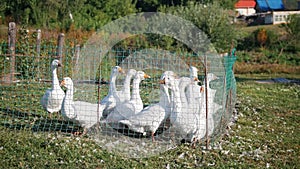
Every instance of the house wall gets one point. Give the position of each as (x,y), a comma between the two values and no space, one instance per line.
(269,18)
(246,11)
(278,17)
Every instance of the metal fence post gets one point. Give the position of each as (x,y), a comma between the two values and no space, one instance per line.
(206,100)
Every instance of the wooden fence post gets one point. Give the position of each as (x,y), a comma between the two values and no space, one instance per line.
(38,44)
(38,50)
(12,49)
(60,45)
(76,57)
(60,42)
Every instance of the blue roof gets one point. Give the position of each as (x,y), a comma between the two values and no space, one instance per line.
(269,5)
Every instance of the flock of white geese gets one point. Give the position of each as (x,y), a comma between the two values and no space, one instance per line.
(182,101)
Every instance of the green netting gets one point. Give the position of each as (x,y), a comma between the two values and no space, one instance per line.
(229,61)
(20,106)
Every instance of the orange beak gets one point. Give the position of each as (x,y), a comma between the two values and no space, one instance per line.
(121,70)
(162,81)
(62,83)
(146,76)
(201,89)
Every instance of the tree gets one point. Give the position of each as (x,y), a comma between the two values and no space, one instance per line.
(293,26)
(212,19)
(226,4)
(293,33)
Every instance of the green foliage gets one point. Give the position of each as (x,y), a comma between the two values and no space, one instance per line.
(4,60)
(252,41)
(290,4)
(293,28)
(89,15)
(212,19)
(226,4)
(57,13)
(278,48)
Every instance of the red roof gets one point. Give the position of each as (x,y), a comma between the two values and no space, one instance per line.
(245,4)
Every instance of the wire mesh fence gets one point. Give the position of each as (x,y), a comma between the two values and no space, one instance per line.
(157,109)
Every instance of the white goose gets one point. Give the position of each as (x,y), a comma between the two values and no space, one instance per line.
(110,100)
(186,119)
(171,82)
(212,108)
(83,112)
(131,107)
(191,121)
(150,118)
(53,98)
(124,94)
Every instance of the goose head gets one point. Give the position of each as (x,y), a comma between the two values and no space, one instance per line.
(194,73)
(67,83)
(131,72)
(168,78)
(141,75)
(117,69)
(165,77)
(211,77)
(55,64)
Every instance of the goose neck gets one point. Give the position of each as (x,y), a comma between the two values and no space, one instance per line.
(164,97)
(126,86)
(112,86)
(182,92)
(176,99)
(136,89)
(67,106)
(69,95)
(55,82)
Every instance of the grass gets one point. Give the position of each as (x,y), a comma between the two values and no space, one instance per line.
(266,134)
(276,28)
(242,67)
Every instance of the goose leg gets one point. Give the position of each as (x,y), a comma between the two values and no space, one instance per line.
(194,142)
(152,135)
(58,115)
(84,132)
(50,115)
(78,133)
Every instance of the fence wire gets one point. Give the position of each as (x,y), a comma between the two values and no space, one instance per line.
(20,106)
